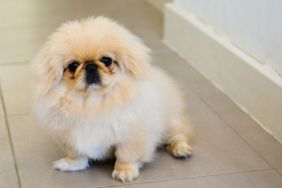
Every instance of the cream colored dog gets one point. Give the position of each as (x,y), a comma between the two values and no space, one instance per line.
(99,96)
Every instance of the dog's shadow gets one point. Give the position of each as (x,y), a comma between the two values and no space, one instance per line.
(109,163)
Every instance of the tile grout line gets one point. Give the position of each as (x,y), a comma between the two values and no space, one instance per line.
(237,133)
(7,63)
(276,170)
(186,178)
(10,137)
(160,51)
(17,115)
(219,116)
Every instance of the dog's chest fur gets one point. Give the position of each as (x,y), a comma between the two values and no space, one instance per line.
(94,136)
(92,139)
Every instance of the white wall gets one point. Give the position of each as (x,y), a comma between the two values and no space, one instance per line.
(253,25)
(254,86)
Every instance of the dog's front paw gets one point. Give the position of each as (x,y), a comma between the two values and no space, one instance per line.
(68,165)
(125,172)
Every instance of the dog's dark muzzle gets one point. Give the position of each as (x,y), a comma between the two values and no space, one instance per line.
(92,75)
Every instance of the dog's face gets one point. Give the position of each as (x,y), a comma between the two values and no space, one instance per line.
(91,55)
(95,71)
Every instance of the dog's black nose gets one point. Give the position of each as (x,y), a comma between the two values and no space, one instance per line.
(92,75)
(90,67)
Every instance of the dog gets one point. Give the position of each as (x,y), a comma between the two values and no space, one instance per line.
(99,96)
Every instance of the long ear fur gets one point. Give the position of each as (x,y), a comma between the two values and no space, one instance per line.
(136,58)
(46,69)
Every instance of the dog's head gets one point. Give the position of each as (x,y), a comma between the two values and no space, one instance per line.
(91,55)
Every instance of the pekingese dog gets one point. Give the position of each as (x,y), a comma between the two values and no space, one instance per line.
(97,93)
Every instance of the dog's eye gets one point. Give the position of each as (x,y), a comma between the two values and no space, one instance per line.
(72,66)
(106,60)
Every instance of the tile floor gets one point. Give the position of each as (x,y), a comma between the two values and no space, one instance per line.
(231,150)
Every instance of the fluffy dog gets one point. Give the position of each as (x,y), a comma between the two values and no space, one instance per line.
(97,93)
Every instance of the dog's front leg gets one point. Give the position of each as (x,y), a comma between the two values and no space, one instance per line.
(72,161)
(130,156)
(126,167)
(71,164)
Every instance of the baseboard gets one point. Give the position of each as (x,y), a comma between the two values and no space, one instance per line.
(255,87)
(158,4)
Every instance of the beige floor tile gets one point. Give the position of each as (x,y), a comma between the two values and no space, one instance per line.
(35,151)
(260,179)
(21,44)
(23,35)
(16,87)
(39,12)
(174,65)
(218,150)
(280,171)
(1,107)
(8,177)
(190,79)
(250,131)
(269,148)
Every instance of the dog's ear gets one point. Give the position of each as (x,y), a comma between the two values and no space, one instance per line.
(136,58)
(47,69)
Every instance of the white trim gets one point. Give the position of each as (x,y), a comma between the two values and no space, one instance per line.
(254,86)
(158,4)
